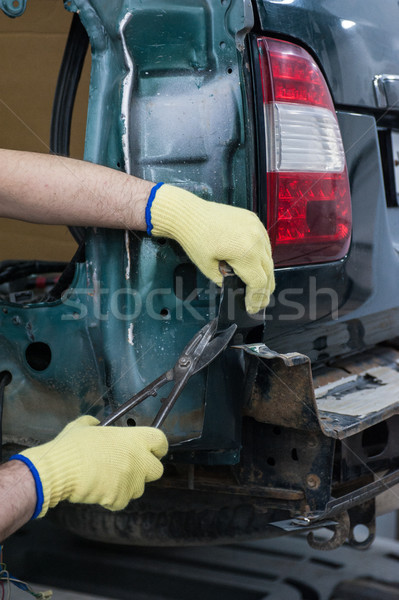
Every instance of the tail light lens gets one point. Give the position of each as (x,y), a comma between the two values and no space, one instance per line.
(308,206)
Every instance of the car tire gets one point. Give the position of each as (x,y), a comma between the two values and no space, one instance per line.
(165,517)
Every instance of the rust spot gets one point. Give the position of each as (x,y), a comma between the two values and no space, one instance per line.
(183,426)
(313,481)
(283,395)
(29,331)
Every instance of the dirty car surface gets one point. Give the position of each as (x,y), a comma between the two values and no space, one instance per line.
(295,426)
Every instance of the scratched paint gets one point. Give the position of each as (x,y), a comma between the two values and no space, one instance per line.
(126,95)
(130,334)
(127,248)
(381,395)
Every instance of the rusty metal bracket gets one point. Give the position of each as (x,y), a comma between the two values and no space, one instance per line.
(341,533)
(338,506)
(280,390)
(360,496)
(362,515)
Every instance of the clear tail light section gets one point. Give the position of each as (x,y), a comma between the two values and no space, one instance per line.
(308,206)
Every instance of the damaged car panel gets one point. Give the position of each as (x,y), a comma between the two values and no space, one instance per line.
(294,425)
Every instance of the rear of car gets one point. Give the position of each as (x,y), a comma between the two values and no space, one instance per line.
(288,109)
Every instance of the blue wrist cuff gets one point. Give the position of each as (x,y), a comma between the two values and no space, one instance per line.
(151,199)
(38,483)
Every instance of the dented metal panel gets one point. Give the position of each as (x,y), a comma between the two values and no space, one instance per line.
(167,77)
(166,103)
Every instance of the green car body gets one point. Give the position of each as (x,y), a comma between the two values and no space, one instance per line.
(174,97)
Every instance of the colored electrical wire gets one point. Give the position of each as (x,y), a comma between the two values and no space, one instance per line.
(6,578)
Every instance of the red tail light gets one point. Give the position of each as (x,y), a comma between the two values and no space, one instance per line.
(309,209)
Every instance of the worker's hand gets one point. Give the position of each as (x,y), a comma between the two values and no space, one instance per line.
(95,465)
(209,233)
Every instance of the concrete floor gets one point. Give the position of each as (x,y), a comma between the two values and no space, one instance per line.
(277,569)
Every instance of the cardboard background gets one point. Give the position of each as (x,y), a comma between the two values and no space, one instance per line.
(31,50)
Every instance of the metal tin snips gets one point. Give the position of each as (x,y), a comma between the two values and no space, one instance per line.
(200,351)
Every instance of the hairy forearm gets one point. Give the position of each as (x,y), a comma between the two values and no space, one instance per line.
(49,189)
(17,497)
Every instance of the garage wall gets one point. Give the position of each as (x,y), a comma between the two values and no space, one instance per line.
(31,49)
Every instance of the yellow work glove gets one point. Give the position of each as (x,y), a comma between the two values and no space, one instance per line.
(95,465)
(209,233)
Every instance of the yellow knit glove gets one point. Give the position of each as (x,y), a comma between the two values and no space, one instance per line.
(209,233)
(95,465)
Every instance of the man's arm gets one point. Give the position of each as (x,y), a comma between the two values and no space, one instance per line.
(84,463)
(49,189)
(56,190)
(17,497)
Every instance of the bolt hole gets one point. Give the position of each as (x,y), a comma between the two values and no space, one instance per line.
(294,454)
(118,165)
(229,70)
(6,377)
(277,430)
(361,533)
(164,312)
(270,461)
(222,45)
(38,356)
(131,422)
